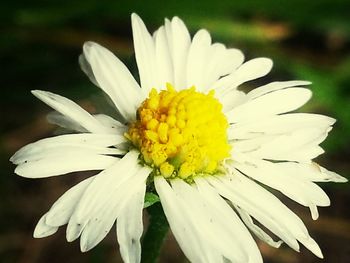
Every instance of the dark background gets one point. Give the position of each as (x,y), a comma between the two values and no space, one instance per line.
(39,46)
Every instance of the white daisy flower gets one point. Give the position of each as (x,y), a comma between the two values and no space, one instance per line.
(208,149)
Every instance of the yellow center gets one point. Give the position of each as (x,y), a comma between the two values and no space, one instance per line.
(181,134)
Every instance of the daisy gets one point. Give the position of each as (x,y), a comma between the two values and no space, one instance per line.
(210,150)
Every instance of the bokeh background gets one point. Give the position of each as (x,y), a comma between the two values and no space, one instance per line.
(39,46)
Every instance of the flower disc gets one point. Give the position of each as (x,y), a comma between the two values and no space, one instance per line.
(181,133)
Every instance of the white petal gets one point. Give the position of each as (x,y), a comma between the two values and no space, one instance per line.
(260,213)
(86,68)
(63,121)
(61,211)
(311,245)
(115,79)
(265,208)
(259,232)
(63,164)
(44,230)
(300,145)
(250,70)
(253,69)
(220,62)
(179,41)
(272,103)
(130,227)
(311,172)
(230,221)
(74,228)
(275,86)
(112,177)
(234,99)
(71,110)
(279,124)
(163,59)
(183,229)
(250,145)
(104,199)
(304,154)
(283,179)
(207,63)
(267,211)
(111,125)
(108,208)
(115,127)
(328,176)
(66,153)
(88,139)
(213,227)
(38,151)
(145,54)
(197,59)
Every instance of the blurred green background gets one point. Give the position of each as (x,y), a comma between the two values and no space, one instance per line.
(40,42)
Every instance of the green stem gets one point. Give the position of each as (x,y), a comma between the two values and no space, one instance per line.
(155,235)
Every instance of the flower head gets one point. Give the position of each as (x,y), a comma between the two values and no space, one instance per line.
(181,134)
(208,147)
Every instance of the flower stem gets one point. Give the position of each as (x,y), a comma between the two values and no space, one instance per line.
(155,235)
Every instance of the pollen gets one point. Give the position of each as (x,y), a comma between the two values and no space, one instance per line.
(181,133)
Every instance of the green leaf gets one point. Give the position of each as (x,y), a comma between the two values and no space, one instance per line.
(150,199)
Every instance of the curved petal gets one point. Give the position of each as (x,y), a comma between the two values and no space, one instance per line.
(279,124)
(115,79)
(214,229)
(299,145)
(221,61)
(99,218)
(38,151)
(230,222)
(104,199)
(179,41)
(197,59)
(267,209)
(277,85)
(130,227)
(70,109)
(115,127)
(66,153)
(110,178)
(165,71)
(65,122)
(86,68)
(252,69)
(314,172)
(281,178)
(42,229)
(272,103)
(183,228)
(63,164)
(259,232)
(74,228)
(145,54)
(235,99)
(88,139)
(111,126)
(61,211)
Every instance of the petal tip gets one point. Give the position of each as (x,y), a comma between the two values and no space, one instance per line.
(83,247)
(13,158)
(37,92)
(268,62)
(135,16)
(88,46)
(136,20)
(44,230)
